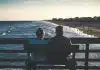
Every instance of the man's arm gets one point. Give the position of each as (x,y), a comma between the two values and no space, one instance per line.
(69,47)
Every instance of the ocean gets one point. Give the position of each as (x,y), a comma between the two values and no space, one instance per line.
(27,29)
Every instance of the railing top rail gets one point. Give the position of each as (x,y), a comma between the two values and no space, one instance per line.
(85,40)
(73,40)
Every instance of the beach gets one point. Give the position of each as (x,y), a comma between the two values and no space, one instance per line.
(91,28)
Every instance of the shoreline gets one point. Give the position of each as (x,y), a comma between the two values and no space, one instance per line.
(88,28)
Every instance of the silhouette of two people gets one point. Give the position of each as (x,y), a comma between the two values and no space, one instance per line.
(57,49)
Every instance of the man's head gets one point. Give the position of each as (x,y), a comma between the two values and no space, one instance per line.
(39,33)
(59,31)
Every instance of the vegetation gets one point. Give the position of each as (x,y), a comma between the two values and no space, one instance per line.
(87,31)
(79,19)
(89,25)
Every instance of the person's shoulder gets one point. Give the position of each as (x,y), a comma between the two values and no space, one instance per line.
(52,38)
(59,37)
(66,38)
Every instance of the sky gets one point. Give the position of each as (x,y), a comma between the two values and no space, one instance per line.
(47,9)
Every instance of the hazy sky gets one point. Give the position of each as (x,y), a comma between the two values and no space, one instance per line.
(47,9)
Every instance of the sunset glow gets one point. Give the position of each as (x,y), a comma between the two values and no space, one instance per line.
(46,9)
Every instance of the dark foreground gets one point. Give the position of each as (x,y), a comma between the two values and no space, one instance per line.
(27,42)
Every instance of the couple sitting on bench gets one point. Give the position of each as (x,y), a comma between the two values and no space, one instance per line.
(58,47)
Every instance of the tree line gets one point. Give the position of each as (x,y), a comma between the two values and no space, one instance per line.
(79,19)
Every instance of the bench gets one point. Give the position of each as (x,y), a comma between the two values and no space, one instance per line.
(39,46)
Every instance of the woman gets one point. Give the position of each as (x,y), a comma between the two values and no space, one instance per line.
(40,34)
(36,55)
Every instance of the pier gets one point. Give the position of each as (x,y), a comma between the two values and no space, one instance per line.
(75,41)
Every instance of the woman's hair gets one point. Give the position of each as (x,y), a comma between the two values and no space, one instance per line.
(39,32)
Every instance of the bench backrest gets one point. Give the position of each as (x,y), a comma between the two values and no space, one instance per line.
(39,45)
(35,45)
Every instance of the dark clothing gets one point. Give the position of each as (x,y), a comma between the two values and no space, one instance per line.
(58,49)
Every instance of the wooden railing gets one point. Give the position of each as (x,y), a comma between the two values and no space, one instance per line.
(86,41)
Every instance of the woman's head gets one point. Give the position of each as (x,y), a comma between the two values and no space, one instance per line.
(39,33)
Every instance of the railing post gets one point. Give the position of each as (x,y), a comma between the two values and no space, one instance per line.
(28,59)
(86,56)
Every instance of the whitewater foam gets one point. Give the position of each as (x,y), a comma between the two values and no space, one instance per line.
(4,33)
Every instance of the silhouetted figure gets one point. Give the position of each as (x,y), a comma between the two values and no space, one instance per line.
(39,34)
(58,47)
(36,55)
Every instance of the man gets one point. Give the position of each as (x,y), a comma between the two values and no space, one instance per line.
(58,47)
